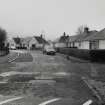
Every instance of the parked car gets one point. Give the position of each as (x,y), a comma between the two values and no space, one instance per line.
(49,50)
(12,47)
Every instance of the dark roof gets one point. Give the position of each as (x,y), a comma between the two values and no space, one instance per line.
(63,39)
(98,36)
(40,39)
(26,39)
(85,36)
(17,40)
(73,38)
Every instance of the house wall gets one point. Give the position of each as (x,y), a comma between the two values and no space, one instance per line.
(35,42)
(76,44)
(84,45)
(39,45)
(101,44)
(32,42)
(69,44)
(60,45)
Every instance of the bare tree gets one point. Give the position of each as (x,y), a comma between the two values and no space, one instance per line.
(3,37)
(80,29)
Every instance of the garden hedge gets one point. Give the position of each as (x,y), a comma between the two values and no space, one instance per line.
(4,51)
(92,55)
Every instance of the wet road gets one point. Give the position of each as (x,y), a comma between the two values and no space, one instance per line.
(67,75)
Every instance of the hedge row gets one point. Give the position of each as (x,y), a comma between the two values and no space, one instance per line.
(92,55)
(4,51)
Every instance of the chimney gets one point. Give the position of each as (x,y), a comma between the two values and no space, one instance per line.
(64,34)
(86,30)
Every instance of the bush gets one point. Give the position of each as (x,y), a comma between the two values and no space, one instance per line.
(84,54)
(92,55)
(97,55)
(3,36)
(4,51)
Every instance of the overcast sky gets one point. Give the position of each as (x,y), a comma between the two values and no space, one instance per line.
(51,17)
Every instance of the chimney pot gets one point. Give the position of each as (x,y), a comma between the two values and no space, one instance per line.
(86,29)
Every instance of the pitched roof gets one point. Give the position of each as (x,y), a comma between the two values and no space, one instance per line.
(26,39)
(98,36)
(85,36)
(73,38)
(17,40)
(63,39)
(40,39)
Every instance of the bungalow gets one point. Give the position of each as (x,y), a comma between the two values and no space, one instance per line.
(72,41)
(37,42)
(25,42)
(34,42)
(97,41)
(83,41)
(14,43)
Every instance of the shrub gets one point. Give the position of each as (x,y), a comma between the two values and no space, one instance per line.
(97,55)
(84,54)
(3,36)
(92,55)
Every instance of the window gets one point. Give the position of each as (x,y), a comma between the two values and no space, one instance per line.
(79,44)
(94,44)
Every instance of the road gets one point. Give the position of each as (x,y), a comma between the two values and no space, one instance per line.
(69,86)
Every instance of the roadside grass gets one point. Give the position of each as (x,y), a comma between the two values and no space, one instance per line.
(19,63)
(24,57)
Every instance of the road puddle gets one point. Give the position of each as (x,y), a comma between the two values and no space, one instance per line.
(62,74)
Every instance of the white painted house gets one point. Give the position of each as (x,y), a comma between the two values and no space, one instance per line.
(97,41)
(72,41)
(25,42)
(82,40)
(13,43)
(87,40)
(37,42)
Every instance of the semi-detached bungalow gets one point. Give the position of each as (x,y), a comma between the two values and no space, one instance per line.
(84,40)
(72,41)
(97,41)
(88,40)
